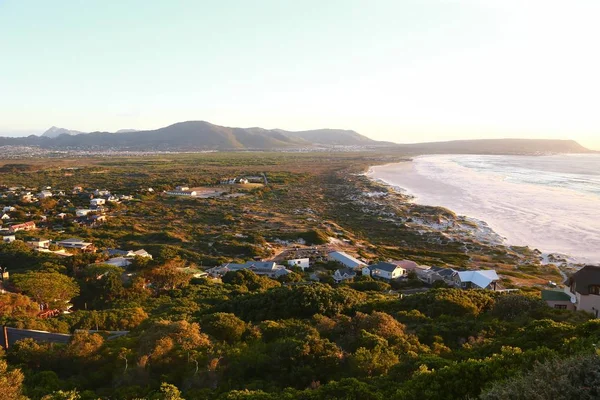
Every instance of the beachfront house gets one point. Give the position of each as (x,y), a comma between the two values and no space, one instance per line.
(584,289)
(74,243)
(346,260)
(558,299)
(482,279)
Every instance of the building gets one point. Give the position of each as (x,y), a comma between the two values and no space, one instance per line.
(101,193)
(8,209)
(27,226)
(44,194)
(82,212)
(343,274)
(384,270)
(118,262)
(558,299)
(482,279)
(268,268)
(182,188)
(9,238)
(76,244)
(346,260)
(39,243)
(181,193)
(97,202)
(5,217)
(584,289)
(302,263)
(129,253)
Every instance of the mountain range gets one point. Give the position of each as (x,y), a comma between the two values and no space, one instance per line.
(202,135)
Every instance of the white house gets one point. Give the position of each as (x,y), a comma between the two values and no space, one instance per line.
(82,212)
(75,244)
(484,279)
(299,262)
(343,274)
(101,193)
(39,243)
(97,202)
(384,270)
(44,194)
(9,238)
(345,259)
(5,217)
(118,262)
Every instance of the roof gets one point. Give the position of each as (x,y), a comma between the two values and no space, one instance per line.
(406,264)
(584,278)
(345,271)
(384,266)
(346,259)
(481,279)
(555,295)
(444,272)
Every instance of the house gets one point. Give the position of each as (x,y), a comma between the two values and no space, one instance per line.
(406,265)
(9,238)
(27,198)
(128,253)
(343,274)
(8,209)
(44,194)
(142,253)
(384,270)
(101,193)
(5,217)
(558,299)
(118,262)
(345,259)
(112,199)
(302,263)
(39,243)
(181,193)
(482,279)
(76,244)
(428,274)
(584,288)
(269,268)
(82,212)
(77,189)
(243,181)
(27,226)
(97,202)
(61,215)
(182,188)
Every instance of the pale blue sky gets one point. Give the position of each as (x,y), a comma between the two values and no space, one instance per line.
(400,70)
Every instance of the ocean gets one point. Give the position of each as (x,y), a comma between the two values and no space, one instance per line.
(550,203)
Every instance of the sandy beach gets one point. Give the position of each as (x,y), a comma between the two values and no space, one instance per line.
(553,220)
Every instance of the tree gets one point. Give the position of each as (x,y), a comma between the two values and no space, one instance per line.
(168,276)
(17,305)
(10,383)
(224,326)
(50,288)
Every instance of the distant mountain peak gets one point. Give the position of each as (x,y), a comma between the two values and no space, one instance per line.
(55,131)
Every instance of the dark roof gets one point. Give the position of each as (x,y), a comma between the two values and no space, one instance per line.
(555,295)
(384,266)
(347,271)
(581,280)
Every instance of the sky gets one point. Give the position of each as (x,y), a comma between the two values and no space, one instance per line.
(398,70)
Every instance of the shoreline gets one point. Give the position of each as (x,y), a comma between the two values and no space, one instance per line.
(484,231)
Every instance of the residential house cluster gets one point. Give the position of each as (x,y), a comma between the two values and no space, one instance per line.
(266,268)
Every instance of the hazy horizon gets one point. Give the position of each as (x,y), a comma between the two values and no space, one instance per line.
(409,71)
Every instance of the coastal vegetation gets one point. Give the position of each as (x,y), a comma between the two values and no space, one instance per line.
(157,331)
